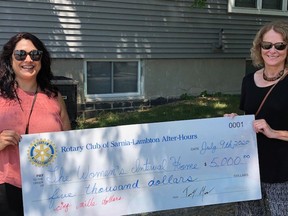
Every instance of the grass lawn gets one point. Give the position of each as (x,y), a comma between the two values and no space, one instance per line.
(189,107)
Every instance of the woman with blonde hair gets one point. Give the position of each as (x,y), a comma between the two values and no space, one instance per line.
(265,94)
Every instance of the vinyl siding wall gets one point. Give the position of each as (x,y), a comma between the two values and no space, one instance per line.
(131,29)
(175,43)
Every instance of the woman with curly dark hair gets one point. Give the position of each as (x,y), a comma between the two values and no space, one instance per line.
(29,103)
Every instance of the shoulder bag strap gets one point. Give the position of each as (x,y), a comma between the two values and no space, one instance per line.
(264,99)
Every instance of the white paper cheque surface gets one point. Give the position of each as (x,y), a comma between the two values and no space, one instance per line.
(140,168)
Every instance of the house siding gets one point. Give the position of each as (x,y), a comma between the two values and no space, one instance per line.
(131,29)
(175,43)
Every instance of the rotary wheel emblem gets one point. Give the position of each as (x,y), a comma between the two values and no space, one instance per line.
(42,152)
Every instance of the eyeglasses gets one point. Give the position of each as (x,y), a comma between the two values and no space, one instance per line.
(269,45)
(35,55)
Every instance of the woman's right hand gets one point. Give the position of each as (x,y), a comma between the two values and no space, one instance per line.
(9,137)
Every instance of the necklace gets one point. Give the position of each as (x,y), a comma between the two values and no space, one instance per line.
(280,74)
(31,110)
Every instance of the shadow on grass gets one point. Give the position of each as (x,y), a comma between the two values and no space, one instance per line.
(204,106)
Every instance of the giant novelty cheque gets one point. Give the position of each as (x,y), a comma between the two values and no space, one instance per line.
(140,168)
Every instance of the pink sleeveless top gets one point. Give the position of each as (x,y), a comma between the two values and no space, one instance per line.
(44,118)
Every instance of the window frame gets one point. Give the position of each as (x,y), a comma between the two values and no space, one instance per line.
(259,10)
(113,96)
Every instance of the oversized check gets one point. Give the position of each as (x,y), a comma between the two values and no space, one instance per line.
(140,168)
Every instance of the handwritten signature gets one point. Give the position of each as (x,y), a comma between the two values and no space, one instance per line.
(192,192)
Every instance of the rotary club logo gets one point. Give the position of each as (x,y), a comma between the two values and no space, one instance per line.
(42,152)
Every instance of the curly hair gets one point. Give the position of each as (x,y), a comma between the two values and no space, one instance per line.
(279,26)
(7,75)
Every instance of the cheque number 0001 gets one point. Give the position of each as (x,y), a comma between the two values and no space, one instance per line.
(236,124)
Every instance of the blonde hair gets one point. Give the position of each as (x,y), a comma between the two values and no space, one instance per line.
(278,26)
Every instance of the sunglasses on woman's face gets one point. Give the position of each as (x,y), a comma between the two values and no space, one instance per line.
(269,45)
(35,55)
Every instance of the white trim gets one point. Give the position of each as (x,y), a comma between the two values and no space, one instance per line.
(258,10)
(284,4)
(114,96)
(259,4)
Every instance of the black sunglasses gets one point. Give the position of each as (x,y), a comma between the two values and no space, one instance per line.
(35,55)
(269,45)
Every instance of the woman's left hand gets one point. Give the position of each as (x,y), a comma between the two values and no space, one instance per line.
(261,126)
